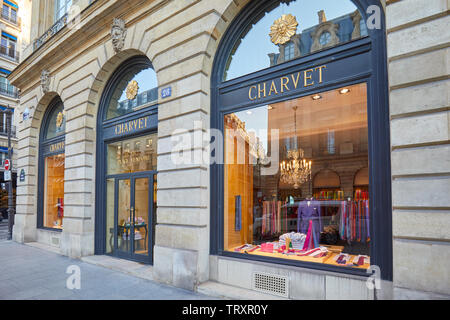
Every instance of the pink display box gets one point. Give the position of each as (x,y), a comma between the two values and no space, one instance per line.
(267,247)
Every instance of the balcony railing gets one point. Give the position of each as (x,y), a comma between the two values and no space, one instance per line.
(10,18)
(9,53)
(9,91)
(61,23)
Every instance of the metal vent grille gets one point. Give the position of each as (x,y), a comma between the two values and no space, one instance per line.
(271,283)
(55,241)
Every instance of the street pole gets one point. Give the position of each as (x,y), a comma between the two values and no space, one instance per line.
(9,115)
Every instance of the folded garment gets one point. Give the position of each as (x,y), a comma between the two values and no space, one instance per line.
(316,252)
(361,260)
(293,236)
(243,247)
(297,240)
(342,258)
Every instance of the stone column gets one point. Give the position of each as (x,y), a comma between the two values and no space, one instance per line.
(77,238)
(418,54)
(26,192)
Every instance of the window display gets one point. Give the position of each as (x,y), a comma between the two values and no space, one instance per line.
(310,208)
(133,155)
(54,191)
(51,167)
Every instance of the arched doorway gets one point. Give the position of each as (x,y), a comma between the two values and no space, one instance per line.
(126,162)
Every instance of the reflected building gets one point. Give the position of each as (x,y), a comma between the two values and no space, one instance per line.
(326,34)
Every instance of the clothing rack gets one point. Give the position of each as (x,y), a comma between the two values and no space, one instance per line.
(354,221)
(273,214)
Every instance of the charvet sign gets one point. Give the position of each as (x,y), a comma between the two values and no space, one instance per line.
(295,80)
(131,126)
(290,82)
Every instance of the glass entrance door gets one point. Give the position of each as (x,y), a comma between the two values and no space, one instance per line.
(135,202)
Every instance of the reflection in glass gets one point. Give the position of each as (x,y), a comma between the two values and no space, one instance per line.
(109,215)
(54,191)
(322,24)
(321,217)
(124,215)
(56,122)
(137,90)
(141,223)
(134,155)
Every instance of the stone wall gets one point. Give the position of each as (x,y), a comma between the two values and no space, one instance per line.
(418,53)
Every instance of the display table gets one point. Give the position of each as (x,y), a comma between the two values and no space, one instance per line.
(329,258)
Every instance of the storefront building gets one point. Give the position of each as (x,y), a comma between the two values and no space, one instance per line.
(290,148)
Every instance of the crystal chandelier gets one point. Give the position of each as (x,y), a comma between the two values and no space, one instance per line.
(295,170)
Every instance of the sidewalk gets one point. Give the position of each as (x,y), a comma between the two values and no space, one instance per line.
(31,273)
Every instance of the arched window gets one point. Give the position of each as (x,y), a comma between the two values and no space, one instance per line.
(286,118)
(307,27)
(51,167)
(138,89)
(127,162)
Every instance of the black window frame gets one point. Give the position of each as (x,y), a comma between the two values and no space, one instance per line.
(44,152)
(373,49)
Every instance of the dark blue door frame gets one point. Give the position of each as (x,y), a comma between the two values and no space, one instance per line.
(106,135)
(129,253)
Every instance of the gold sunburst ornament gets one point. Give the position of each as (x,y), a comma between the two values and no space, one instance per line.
(59,119)
(132,90)
(283,29)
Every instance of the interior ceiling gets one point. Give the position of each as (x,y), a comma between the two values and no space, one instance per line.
(335,111)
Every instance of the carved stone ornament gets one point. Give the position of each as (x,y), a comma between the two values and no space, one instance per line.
(132,90)
(118,34)
(283,29)
(45,81)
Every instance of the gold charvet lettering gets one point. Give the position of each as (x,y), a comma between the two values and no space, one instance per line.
(131,126)
(282,84)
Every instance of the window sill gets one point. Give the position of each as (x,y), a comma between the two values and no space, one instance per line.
(56,230)
(360,274)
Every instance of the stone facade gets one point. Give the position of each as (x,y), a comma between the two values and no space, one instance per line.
(418,53)
(181,38)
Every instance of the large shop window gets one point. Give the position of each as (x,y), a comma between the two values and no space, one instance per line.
(299,94)
(285,214)
(51,167)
